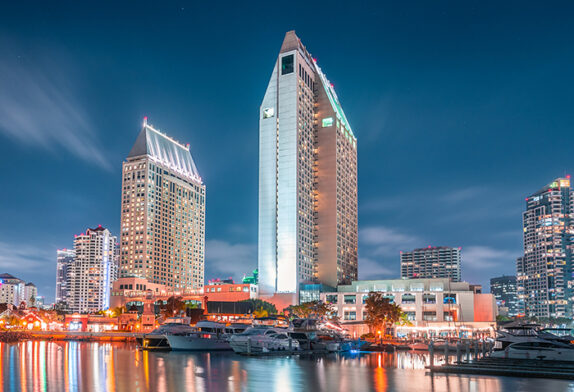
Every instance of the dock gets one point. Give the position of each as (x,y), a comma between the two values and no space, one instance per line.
(510,367)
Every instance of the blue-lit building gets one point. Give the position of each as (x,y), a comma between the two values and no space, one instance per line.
(504,290)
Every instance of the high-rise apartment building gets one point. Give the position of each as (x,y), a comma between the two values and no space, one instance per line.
(307,178)
(11,290)
(92,272)
(504,290)
(65,258)
(432,262)
(545,271)
(163,213)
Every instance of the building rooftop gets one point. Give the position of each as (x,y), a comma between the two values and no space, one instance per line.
(165,151)
(8,276)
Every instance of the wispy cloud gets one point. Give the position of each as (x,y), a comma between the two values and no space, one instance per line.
(385,241)
(481,257)
(371,269)
(40,108)
(464,194)
(225,259)
(25,258)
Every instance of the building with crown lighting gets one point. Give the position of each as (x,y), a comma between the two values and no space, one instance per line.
(65,258)
(544,272)
(432,262)
(92,272)
(307,178)
(163,213)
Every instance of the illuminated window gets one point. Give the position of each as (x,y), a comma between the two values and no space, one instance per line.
(268,112)
(327,122)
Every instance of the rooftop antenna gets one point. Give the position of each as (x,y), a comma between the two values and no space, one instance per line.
(145,121)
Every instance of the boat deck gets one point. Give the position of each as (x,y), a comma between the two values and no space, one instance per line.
(510,367)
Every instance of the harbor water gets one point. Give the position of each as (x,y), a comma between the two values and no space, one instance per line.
(85,366)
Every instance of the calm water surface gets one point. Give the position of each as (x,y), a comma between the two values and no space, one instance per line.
(74,366)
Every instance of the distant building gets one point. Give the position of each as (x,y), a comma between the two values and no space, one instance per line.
(307,178)
(504,290)
(65,258)
(163,213)
(30,293)
(11,290)
(219,291)
(429,304)
(431,262)
(544,273)
(92,272)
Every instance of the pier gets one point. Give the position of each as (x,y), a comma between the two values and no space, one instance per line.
(510,367)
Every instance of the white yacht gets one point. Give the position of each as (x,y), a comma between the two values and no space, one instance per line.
(207,336)
(262,340)
(542,350)
(157,339)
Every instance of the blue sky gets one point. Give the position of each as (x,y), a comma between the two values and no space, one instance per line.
(461,109)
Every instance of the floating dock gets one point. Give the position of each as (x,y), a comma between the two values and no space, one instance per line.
(510,367)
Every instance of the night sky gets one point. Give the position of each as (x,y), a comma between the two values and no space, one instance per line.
(461,110)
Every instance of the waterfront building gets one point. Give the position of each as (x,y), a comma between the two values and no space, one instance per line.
(231,291)
(504,290)
(65,258)
(11,290)
(92,272)
(163,213)
(545,271)
(307,178)
(431,262)
(133,290)
(438,304)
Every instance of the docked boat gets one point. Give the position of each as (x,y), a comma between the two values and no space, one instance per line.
(542,350)
(207,336)
(157,339)
(263,340)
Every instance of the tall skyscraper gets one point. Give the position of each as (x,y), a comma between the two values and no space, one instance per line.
(93,271)
(545,271)
(65,258)
(432,262)
(307,178)
(163,213)
(504,290)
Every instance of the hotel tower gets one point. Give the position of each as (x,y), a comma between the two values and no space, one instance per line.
(163,213)
(307,178)
(544,273)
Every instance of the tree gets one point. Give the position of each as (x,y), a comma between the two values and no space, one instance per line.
(312,309)
(173,306)
(260,306)
(381,313)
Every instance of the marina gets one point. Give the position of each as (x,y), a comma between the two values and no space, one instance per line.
(103,366)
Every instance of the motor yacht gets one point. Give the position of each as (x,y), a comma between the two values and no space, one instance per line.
(262,340)
(542,350)
(207,336)
(157,339)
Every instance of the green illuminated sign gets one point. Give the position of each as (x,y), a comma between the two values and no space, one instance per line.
(327,122)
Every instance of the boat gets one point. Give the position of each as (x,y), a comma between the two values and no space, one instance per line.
(157,339)
(530,333)
(207,336)
(541,350)
(263,340)
(419,346)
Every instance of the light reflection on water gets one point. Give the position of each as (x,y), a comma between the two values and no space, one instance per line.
(73,366)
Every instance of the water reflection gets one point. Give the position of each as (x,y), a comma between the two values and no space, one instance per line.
(72,366)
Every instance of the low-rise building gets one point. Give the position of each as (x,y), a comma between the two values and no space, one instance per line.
(437,304)
(230,292)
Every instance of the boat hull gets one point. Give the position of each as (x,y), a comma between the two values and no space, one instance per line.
(194,343)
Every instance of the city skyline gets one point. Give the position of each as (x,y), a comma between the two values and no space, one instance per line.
(446,126)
